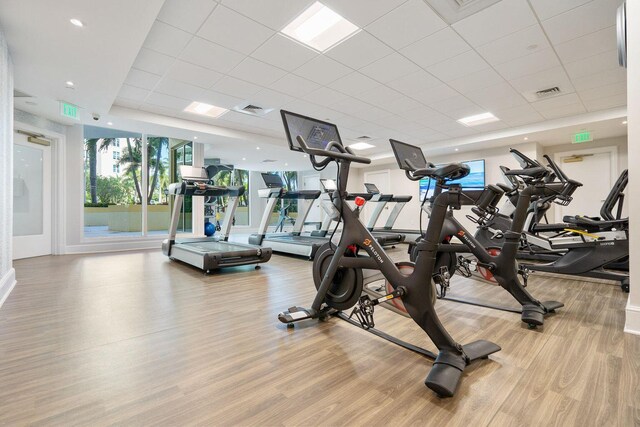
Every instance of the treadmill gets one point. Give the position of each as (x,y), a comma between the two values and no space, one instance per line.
(208,253)
(383,236)
(292,242)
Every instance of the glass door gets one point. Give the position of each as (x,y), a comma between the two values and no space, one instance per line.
(31,198)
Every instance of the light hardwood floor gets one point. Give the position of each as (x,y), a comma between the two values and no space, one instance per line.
(134,339)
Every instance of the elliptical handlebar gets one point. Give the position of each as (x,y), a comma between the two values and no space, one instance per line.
(343,153)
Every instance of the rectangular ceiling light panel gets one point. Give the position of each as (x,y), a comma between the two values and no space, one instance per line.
(320,28)
(205,109)
(361,146)
(478,119)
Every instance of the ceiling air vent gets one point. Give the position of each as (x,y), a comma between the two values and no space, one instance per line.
(363,137)
(252,109)
(269,161)
(454,10)
(546,93)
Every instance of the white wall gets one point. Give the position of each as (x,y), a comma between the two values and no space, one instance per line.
(633,116)
(7,273)
(619,142)
(400,185)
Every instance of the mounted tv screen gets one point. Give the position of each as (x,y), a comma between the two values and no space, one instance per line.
(474,181)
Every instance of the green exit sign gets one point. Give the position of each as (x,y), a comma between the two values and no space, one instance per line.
(581,137)
(69,110)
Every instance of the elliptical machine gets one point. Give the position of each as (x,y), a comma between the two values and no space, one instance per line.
(341,267)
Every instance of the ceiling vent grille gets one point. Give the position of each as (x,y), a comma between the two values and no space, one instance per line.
(252,109)
(269,161)
(546,93)
(454,10)
(363,137)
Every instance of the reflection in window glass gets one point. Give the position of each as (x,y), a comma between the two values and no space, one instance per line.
(285,212)
(227,176)
(181,154)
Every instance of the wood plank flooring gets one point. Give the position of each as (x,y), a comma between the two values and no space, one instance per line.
(134,339)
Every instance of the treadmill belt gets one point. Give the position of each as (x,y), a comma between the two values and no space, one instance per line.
(215,246)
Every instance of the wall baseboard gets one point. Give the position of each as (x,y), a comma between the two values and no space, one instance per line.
(7,284)
(632,323)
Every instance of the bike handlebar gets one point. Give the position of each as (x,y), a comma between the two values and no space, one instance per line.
(343,153)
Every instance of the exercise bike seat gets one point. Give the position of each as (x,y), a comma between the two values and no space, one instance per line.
(537,172)
(596,225)
(448,172)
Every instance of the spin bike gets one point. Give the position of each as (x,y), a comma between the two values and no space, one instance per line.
(342,285)
(496,264)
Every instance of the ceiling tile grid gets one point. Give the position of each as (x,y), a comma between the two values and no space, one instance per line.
(406,70)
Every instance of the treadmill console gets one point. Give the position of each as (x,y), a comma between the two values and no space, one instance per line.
(193,173)
(272,181)
(371,188)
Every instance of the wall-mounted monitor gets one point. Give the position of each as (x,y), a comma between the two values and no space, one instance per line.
(474,181)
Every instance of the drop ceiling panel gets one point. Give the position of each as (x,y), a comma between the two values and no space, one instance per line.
(275,14)
(586,46)
(613,75)
(436,48)
(359,50)
(518,116)
(564,111)
(546,9)
(284,53)
(133,93)
(406,24)
(167,101)
(234,31)
(295,86)
(193,74)
(478,80)
(593,16)
(458,66)
(260,73)
(152,61)
(379,95)
(527,65)
(142,79)
(354,83)
(166,39)
(220,99)
(543,80)
(210,55)
(188,15)
(322,70)
(179,89)
(607,102)
(390,68)
(434,94)
(236,87)
(604,91)
(593,64)
(514,46)
(325,96)
(496,21)
(268,98)
(362,12)
(402,104)
(415,82)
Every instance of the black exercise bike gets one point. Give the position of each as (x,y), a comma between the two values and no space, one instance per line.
(408,283)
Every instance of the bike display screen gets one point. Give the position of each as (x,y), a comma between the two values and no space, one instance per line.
(404,152)
(316,133)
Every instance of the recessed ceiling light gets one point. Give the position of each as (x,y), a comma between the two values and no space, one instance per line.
(110,124)
(76,22)
(361,146)
(526,138)
(69,83)
(257,148)
(624,123)
(478,119)
(195,137)
(286,164)
(320,27)
(244,158)
(455,149)
(205,109)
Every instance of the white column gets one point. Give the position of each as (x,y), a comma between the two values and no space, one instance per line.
(198,202)
(633,189)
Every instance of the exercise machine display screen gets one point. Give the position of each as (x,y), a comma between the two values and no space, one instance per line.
(329,184)
(272,181)
(316,133)
(404,152)
(371,188)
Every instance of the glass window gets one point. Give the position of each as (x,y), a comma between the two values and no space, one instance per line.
(285,212)
(181,154)
(227,176)
(159,178)
(112,197)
